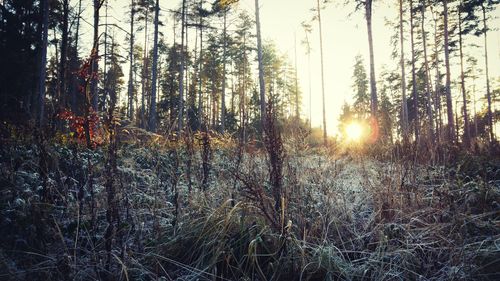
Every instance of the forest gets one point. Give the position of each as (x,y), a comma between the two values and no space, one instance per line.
(249,140)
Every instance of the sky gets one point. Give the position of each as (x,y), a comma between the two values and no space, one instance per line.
(344,37)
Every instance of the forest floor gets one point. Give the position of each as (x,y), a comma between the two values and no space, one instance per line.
(183,212)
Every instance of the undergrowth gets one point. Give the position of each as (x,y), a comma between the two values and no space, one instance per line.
(185,214)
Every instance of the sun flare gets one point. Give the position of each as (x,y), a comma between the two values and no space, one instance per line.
(354,131)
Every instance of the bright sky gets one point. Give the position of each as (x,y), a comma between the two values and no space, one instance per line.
(344,35)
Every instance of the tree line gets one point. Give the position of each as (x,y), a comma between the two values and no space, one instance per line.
(220,73)
(432,104)
(205,80)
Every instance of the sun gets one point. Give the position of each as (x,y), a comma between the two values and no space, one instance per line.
(354,131)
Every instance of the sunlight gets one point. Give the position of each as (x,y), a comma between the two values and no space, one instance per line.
(354,131)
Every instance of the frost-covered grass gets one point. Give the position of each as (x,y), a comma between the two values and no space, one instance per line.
(347,218)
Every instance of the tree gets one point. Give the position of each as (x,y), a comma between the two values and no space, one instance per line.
(212,76)
(297,106)
(168,106)
(223,6)
(114,80)
(279,79)
(404,106)
(97,4)
(388,106)
(21,47)
(43,63)
(347,114)
(367,5)
(437,83)
(413,73)
(144,9)
(202,13)
(449,103)
(62,91)
(152,111)
(318,8)
(224,55)
(373,82)
(130,89)
(262,88)
(362,102)
(430,116)
(104,91)
(307,31)
(462,75)
(182,67)
(78,16)
(73,63)
(242,65)
(114,73)
(488,91)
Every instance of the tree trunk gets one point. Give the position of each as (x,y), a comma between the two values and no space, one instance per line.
(308,51)
(261,70)
(233,94)
(112,213)
(223,97)
(462,81)
(488,92)
(297,108)
(181,72)
(474,105)
(200,85)
(325,134)
(437,91)
(413,75)
(449,103)
(77,36)
(64,56)
(310,89)
(186,66)
(144,70)
(243,92)
(373,81)
(131,67)
(152,110)
(105,67)
(193,82)
(78,24)
(95,65)
(427,77)
(404,105)
(43,64)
